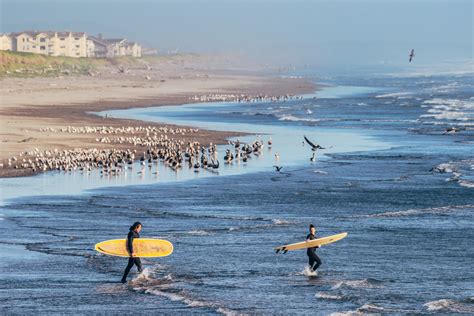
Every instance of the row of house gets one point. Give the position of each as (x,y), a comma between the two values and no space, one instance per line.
(71,44)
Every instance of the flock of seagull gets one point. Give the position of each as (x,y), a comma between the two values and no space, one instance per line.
(156,146)
(244,98)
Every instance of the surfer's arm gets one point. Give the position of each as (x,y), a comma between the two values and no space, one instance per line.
(130,238)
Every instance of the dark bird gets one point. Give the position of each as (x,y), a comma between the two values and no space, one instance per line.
(313,146)
(412,54)
(451,130)
(278,168)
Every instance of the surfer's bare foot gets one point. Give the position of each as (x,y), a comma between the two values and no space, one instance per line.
(123,281)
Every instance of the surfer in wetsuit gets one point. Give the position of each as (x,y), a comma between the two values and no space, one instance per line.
(132,260)
(314,261)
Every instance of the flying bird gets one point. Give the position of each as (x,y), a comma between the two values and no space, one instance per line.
(278,168)
(412,54)
(313,148)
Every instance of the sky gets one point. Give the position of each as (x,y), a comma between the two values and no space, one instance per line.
(330,33)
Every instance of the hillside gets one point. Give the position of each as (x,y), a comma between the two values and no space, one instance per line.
(17,64)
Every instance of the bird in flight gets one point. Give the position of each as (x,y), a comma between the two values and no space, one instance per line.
(412,54)
(313,148)
(278,168)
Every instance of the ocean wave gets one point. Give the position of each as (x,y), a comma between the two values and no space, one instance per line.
(293,118)
(365,309)
(320,171)
(254,113)
(449,109)
(369,283)
(273,223)
(451,306)
(466,183)
(458,171)
(328,296)
(166,286)
(199,233)
(278,221)
(422,211)
(398,95)
(189,215)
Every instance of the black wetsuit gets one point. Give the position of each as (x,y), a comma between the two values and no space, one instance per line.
(314,261)
(132,260)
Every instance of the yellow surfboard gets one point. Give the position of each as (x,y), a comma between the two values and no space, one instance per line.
(312,243)
(143,247)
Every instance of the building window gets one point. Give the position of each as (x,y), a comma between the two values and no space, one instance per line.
(77,54)
(23,40)
(62,38)
(62,46)
(42,47)
(34,46)
(77,46)
(76,38)
(43,40)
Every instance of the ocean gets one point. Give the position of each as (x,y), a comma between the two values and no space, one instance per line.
(393,175)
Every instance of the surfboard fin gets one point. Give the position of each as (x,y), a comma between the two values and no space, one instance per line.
(277,251)
(285,251)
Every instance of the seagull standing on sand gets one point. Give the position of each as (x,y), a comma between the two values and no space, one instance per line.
(412,54)
(314,148)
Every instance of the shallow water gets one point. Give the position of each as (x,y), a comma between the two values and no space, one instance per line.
(410,230)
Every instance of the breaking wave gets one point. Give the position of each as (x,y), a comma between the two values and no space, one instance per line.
(364,309)
(422,211)
(449,109)
(166,286)
(451,306)
(369,283)
(293,118)
(328,296)
(398,95)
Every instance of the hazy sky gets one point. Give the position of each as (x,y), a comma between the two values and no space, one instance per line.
(332,32)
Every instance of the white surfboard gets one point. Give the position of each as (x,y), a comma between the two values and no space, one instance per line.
(309,244)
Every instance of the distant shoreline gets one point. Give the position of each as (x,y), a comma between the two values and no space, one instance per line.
(32,104)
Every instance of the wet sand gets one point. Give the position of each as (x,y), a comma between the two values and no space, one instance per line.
(32,104)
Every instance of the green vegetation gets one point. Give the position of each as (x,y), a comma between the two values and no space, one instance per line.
(17,64)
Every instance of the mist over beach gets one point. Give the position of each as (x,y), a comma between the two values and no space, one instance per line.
(226,129)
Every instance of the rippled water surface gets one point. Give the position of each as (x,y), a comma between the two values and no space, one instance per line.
(391,177)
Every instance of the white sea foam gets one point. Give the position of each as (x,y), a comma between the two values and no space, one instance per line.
(365,283)
(429,210)
(293,118)
(199,232)
(320,171)
(309,272)
(274,222)
(466,183)
(366,309)
(147,283)
(450,306)
(278,221)
(398,95)
(449,109)
(327,296)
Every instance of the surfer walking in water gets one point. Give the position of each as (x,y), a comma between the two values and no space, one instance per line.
(132,260)
(314,261)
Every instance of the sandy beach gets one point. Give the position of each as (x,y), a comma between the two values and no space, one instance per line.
(32,104)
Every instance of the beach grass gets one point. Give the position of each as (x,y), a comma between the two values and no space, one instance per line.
(19,64)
